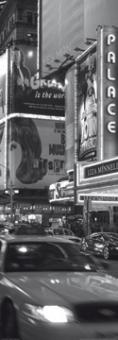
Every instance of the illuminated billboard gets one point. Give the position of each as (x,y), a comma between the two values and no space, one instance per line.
(29,94)
(3,83)
(3,163)
(69,118)
(36,147)
(87,105)
(61,191)
(108,86)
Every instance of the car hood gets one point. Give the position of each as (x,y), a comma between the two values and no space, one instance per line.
(71,287)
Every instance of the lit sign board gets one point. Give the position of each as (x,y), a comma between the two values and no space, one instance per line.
(99,169)
(61,190)
(3,84)
(69,118)
(29,94)
(107,60)
(100,198)
(87,105)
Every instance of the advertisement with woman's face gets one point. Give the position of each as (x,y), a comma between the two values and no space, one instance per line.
(36,152)
(87,108)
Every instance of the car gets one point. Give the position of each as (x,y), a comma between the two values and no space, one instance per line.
(62,231)
(75,239)
(51,290)
(104,244)
(72,238)
(29,229)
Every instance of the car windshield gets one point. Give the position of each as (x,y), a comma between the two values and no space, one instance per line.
(47,256)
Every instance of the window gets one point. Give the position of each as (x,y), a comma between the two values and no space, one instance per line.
(46,256)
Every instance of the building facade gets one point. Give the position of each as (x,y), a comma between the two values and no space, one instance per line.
(51,35)
(32,122)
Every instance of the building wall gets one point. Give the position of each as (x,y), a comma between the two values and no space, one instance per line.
(67,24)
(62,29)
(99,12)
(17,20)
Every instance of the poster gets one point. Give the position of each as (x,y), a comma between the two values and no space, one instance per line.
(87,106)
(69,116)
(3,164)
(31,95)
(36,152)
(3,84)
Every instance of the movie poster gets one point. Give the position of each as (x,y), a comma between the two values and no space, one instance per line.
(29,94)
(87,107)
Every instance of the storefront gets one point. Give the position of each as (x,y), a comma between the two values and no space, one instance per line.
(97,187)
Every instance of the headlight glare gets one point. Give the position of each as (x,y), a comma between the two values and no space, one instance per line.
(51,314)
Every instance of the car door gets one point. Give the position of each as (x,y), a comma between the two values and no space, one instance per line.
(98,244)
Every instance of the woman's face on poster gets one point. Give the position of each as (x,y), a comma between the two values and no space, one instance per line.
(17,57)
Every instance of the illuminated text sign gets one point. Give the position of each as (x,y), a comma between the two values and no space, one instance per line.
(101,169)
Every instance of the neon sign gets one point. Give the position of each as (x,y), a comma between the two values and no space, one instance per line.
(107,92)
(111,89)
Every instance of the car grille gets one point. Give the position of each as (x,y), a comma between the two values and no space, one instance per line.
(97,312)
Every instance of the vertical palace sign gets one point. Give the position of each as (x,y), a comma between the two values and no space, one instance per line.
(108,86)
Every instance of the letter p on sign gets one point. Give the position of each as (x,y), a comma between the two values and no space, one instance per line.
(111,39)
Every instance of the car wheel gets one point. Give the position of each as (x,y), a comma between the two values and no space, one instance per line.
(9,322)
(106,253)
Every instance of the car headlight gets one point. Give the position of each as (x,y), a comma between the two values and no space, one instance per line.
(98,245)
(52,314)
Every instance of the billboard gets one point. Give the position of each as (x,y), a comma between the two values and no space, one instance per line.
(87,105)
(3,83)
(3,163)
(69,118)
(29,94)
(36,152)
(61,191)
(108,85)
